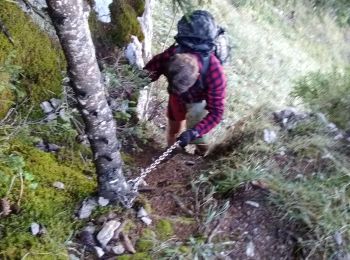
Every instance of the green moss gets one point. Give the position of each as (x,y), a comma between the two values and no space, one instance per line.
(147,241)
(164,229)
(44,204)
(138,5)
(40,60)
(137,256)
(125,23)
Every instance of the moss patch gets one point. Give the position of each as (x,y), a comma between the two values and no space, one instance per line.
(147,241)
(124,21)
(137,256)
(41,202)
(164,229)
(35,53)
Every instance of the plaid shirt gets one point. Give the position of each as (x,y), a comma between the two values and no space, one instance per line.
(214,94)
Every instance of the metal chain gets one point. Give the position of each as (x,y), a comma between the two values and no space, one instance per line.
(144,172)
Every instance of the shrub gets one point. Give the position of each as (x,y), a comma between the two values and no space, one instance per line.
(328,93)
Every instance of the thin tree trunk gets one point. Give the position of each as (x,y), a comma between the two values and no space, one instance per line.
(70,20)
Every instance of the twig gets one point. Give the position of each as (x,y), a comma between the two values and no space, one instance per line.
(5,31)
(213,232)
(22,189)
(182,205)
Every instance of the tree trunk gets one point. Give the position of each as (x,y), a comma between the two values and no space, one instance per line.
(70,20)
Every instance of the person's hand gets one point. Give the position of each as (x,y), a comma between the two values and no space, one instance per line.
(186,137)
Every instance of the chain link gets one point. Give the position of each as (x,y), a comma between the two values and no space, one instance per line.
(144,172)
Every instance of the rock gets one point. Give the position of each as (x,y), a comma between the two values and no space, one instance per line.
(86,209)
(250,249)
(51,117)
(55,103)
(46,107)
(102,201)
(52,148)
(90,228)
(118,249)
(35,228)
(270,136)
(252,203)
(99,251)
(142,213)
(127,243)
(107,232)
(147,220)
(58,185)
(338,238)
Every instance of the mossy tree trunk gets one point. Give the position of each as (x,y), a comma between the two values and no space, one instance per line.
(70,20)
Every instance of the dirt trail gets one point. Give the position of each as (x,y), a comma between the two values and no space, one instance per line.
(250,223)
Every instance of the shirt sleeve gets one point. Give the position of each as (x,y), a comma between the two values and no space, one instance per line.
(157,65)
(216,92)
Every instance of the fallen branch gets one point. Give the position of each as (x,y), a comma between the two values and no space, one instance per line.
(182,205)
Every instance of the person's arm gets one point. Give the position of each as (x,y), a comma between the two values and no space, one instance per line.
(216,84)
(157,65)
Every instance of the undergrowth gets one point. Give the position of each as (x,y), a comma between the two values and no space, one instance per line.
(306,172)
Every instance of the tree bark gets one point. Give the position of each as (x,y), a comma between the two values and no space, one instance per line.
(70,20)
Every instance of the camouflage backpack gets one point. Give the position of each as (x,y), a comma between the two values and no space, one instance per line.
(199,33)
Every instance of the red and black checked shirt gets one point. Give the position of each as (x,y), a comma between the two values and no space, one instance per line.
(213,94)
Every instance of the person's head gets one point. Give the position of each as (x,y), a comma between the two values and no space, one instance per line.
(182,72)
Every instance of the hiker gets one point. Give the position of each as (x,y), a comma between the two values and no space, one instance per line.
(197,83)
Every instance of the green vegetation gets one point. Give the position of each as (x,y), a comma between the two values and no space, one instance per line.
(310,188)
(328,93)
(34,52)
(124,20)
(38,201)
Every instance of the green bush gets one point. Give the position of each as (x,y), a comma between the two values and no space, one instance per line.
(328,93)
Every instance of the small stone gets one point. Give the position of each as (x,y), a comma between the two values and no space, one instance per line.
(87,238)
(86,209)
(107,232)
(102,201)
(270,136)
(55,103)
(250,249)
(190,163)
(35,228)
(90,228)
(53,148)
(142,213)
(147,220)
(99,251)
(118,249)
(252,203)
(58,185)
(338,238)
(51,117)
(46,107)
(339,136)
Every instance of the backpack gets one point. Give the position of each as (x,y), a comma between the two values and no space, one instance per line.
(198,33)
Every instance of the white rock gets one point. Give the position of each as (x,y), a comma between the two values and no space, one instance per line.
(147,220)
(55,102)
(270,136)
(58,185)
(86,209)
(118,249)
(35,228)
(252,203)
(142,213)
(250,249)
(107,232)
(46,107)
(99,251)
(90,228)
(102,201)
